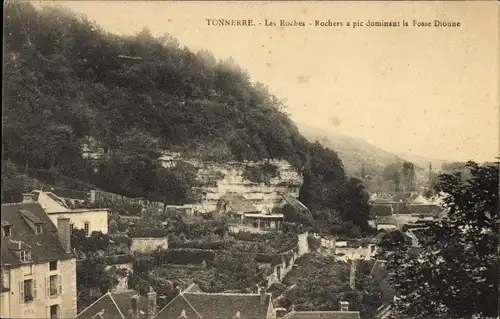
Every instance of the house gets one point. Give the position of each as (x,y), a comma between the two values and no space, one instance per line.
(38,266)
(344,313)
(88,219)
(264,221)
(235,204)
(124,305)
(201,305)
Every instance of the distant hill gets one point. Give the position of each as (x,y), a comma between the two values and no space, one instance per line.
(423,161)
(354,152)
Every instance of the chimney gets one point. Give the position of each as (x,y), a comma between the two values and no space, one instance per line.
(263,296)
(183,315)
(280,312)
(64,232)
(92,196)
(151,303)
(344,306)
(27,198)
(134,307)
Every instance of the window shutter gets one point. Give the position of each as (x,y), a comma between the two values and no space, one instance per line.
(47,286)
(48,311)
(21,291)
(34,289)
(60,284)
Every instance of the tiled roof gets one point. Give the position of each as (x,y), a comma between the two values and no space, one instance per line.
(322,315)
(44,247)
(114,306)
(214,306)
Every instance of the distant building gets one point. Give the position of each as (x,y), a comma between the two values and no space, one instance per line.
(272,222)
(38,267)
(88,219)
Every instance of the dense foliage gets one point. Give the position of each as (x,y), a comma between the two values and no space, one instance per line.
(321,283)
(127,98)
(455,275)
(234,270)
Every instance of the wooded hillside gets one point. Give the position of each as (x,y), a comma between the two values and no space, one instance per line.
(67,80)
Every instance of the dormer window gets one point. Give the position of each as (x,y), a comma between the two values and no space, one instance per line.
(39,229)
(25,255)
(7,230)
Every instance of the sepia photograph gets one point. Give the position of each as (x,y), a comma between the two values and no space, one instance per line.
(250,160)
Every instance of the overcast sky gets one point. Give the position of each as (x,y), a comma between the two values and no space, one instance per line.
(427,91)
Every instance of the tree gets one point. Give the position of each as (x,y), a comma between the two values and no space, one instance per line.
(176,185)
(455,275)
(234,270)
(356,208)
(91,273)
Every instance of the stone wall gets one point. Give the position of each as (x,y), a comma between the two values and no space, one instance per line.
(148,244)
(279,271)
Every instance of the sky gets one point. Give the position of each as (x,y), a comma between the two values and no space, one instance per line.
(426,91)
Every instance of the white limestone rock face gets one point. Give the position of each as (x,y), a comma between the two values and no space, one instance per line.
(222,178)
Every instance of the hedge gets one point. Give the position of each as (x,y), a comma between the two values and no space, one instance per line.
(184,256)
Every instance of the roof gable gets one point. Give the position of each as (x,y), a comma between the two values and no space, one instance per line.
(45,246)
(212,306)
(104,308)
(250,306)
(176,307)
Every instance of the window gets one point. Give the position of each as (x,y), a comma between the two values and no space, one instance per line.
(6,230)
(71,227)
(86,227)
(53,286)
(25,255)
(29,270)
(54,311)
(27,290)
(53,265)
(39,229)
